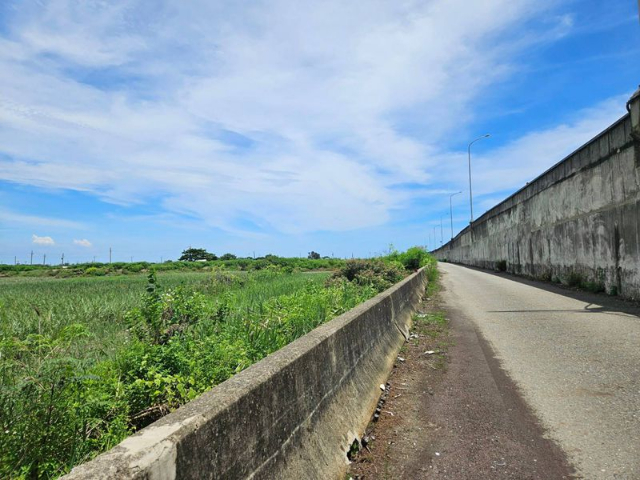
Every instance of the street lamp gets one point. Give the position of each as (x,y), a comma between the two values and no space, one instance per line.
(470,195)
(451,210)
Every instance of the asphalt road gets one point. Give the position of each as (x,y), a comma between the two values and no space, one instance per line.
(575,358)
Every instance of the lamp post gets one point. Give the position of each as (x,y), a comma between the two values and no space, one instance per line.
(470,194)
(451,210)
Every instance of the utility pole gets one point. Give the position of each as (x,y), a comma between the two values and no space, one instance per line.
(44,259)
(109,255)
(94,259)
(131,259)
(15,260)
(62,260)
(31,262)
(451,211)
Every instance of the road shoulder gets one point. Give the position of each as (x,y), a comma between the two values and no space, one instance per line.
(452,412)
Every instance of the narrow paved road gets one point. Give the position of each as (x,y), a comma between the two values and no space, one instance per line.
(575,358)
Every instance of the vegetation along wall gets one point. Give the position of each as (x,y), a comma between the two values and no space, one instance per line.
(578,222)
(292,415)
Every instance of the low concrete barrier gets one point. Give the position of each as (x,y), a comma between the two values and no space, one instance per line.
(291,415)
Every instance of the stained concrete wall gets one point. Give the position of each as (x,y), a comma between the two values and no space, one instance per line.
(292,415)
(580,217)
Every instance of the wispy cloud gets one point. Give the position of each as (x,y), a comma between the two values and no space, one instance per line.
(283,116)
(12,218)
(46,241)
(515,163)
(279,116)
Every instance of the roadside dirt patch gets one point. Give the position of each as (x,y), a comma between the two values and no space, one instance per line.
(451,412)
(391,442)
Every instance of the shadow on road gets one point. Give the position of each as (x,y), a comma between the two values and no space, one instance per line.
(596,302)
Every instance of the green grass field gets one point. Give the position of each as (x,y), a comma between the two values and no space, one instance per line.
(45,306)
(84,362)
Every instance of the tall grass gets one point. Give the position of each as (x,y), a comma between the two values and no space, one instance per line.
(85,362)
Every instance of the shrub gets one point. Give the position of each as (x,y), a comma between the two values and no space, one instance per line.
(56,413)
(574,279)
(165,314)
(134,267)
(381,275)
(501,265)
(413,259)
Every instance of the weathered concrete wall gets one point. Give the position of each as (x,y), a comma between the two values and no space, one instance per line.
(290,416)
(580,217)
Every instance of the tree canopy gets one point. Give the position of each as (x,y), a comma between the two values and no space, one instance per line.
(195,254)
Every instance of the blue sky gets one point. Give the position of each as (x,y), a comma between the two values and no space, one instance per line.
(286,126)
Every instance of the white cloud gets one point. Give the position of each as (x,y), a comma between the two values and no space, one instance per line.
(282,115)
(47,241)
(83,243)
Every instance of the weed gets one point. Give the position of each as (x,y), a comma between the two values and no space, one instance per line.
(595,287)
(376,273)
(501,265)
(413,259)
(574,279)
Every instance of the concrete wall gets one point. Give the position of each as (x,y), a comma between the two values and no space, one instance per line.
(292,415)
(582,216)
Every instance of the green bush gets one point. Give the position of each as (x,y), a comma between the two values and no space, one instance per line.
(376,273)
(53,416)
(413,259)
(574,279)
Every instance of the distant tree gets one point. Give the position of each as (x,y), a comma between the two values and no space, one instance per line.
(313,255)
(194,254)
(228,256)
